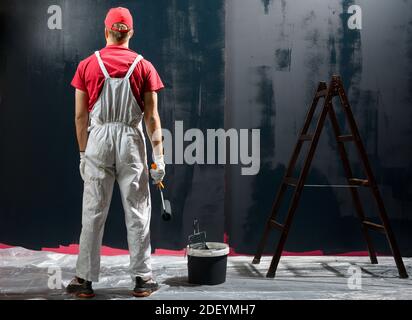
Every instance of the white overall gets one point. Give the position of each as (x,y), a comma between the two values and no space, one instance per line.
(116,150)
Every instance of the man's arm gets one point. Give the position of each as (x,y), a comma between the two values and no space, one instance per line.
(152,121)
(82,118)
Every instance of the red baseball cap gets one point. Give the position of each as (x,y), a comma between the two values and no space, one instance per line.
(119,15)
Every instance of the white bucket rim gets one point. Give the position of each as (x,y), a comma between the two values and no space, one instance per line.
(217,249)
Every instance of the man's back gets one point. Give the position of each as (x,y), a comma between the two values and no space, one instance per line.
(117,60)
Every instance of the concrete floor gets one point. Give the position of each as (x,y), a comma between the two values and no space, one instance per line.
(26,274)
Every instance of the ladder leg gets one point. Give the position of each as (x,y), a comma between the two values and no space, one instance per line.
(262,243)
(355,195)
(299,187)
(389,233)
(372,182)
(283,237)
(276,258)
(321,87)
(275,208)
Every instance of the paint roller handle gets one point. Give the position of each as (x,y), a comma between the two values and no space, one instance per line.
(195,226)
(160,184)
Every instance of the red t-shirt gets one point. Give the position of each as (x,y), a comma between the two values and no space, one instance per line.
(117,60)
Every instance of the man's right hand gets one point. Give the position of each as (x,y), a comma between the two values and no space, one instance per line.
(158,169)
(82,164)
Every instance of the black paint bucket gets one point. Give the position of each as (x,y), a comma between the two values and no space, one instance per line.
(208,267)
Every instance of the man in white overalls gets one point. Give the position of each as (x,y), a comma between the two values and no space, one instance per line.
(112,148)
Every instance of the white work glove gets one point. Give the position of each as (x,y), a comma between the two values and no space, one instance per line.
(82,164)
(158,172)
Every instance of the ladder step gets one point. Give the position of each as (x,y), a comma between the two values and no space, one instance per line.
(345,138)
(291,181)
(359,182)
(374,226)
(276,225)
(306,137)
(322,93)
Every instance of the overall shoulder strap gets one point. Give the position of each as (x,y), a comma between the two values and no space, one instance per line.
(101,64)
(133,66)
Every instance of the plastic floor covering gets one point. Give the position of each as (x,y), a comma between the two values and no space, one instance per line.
(26,274)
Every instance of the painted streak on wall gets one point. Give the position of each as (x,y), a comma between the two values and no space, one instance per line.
(282,49)
(42,190)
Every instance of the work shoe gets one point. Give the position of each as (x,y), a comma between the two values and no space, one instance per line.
(80,288)
(144,288)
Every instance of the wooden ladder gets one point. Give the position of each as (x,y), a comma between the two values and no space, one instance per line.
(328,93)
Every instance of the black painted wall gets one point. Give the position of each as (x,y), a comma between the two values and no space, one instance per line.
(226,64)
(42,190)
(278,50)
